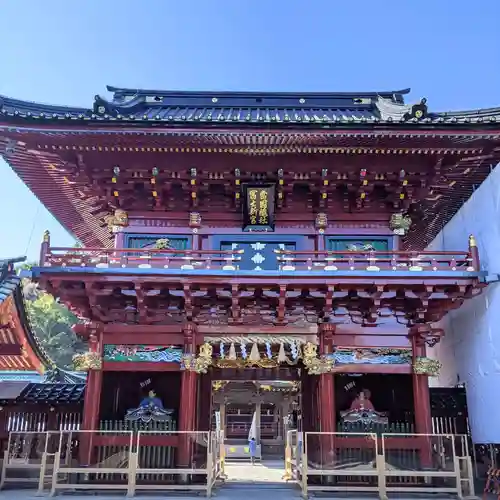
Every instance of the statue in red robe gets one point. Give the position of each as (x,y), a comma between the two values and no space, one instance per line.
(362,401)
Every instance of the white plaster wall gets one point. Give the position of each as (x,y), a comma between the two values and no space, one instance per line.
(470,350)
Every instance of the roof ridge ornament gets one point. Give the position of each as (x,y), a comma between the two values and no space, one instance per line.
(390,110)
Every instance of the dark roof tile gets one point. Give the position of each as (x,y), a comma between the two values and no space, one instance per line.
(244,108)
(52,393)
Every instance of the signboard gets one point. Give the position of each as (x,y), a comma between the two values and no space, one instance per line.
(258,210)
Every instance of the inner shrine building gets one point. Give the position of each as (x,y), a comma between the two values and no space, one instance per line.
(255,259)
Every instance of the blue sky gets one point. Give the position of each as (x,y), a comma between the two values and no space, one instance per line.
(65,52)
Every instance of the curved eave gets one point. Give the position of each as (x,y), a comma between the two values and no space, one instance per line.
(138,110)
(302,119)
(18,334)
(34,351)
(38,171)
(15,326)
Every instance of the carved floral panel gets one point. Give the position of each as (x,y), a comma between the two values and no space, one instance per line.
(380,356)
(142,353)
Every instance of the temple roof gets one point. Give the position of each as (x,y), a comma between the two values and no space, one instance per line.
(307,109)
(42,393)
(20,349)
(56,150)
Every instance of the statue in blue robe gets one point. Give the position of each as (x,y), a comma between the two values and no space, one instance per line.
(150,410)
(152,401)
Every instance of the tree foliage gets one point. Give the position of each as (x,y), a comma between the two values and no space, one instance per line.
(52,322)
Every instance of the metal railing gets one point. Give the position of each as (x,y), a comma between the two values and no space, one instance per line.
(391,463)
(314,461)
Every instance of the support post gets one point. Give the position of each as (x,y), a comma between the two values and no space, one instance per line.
(421,393)
(327,412)
(421,399)
(92,403)
(258,433)
(187,411)
(120,240)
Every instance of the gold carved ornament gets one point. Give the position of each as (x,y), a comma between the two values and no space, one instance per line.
(426,366)
(316,365)
(116,221)
(200,363)
(246,363)
(87,361)
(400,224)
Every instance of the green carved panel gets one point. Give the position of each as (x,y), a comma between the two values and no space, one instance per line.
(357,244)
(148,241)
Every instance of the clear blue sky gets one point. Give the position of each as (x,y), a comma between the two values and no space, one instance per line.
(65,52)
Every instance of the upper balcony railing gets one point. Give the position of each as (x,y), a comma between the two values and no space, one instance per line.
(303,262)
(142,259)
(376,261)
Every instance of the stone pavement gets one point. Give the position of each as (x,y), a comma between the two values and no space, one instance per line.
(267,471)
(226,493)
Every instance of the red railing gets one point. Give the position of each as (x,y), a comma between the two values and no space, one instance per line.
(140,258)
(346,260)
(376,261)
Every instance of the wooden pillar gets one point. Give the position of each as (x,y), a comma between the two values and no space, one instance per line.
(204,402)
(327,411)
(187,410)
(222,416)
(120,240)
(91,405)
(421,394)
(258,411)
(421,400)
(92,399)
(327,403)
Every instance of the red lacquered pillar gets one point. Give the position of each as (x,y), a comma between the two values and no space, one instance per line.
(422,402)
(187,411)
(91,405)
(326,392)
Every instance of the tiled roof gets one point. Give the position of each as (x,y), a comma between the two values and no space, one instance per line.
(20,376)
(50,393)
(272,109)
(9,280)
(10,287)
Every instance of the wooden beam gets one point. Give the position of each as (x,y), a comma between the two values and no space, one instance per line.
(133,366)
(143,335)
(379,368)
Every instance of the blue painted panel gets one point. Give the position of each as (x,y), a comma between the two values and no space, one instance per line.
(259,249)
(258,256)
